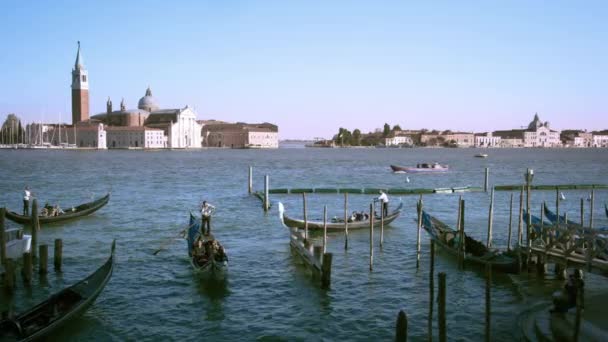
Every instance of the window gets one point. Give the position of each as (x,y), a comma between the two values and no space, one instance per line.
(84,78)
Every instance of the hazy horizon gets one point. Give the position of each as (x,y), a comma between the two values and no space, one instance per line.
(312,67)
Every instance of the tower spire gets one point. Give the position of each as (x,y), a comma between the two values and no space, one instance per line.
(79,64)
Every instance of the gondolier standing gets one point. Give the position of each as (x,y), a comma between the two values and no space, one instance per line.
(26,201)
(383,198)
(206,212)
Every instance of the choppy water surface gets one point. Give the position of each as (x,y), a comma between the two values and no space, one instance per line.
(268,294)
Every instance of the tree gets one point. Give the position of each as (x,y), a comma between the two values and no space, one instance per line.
(396,128)
(387,130)
(356,137)
(11,130)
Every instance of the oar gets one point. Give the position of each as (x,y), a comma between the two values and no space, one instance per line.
(169,240)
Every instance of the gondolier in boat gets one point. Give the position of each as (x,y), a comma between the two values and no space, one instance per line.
(26,201)
(383,199)
(206,211)
(566,299)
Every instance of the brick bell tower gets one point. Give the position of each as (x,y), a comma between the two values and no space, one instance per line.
(80,90)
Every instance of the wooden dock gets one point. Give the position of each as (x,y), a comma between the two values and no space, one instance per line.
(313,256)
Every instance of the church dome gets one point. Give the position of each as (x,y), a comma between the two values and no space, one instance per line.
(148,102)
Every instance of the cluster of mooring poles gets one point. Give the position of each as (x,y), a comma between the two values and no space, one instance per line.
(29,258)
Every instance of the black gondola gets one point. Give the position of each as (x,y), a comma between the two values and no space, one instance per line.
(68,303)
(73,212)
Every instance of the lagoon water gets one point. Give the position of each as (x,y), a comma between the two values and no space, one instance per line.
(268,294)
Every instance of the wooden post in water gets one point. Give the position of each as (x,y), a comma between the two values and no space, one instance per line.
(305,218)
(579,306)
(510,222)
(462,236)
(2,238)
(324,229)
(371,236)
(345,220)
(250,182)
(431,290)
(582,213)
(43,259)
(419,207)
(382,225)
(542,218)
(35,228)
(58,254)
(266,188)
(486,180)
(557,206)
(326,270)
(591,209)
(490,219)
(27,268)
(441,308)
(521,216)
(317,252)
(488,301)
(401,330)
(9,275)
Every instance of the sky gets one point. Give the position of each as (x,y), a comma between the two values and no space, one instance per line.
(312,67)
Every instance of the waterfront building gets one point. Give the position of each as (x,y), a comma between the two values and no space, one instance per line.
(600,140)
(135,137)
(539,134)
(429,139)
(460,139)
(581,139)
(240,135)
(80,90)
(487,140)
(398,140)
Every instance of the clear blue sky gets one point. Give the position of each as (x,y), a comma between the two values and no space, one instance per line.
(314,66)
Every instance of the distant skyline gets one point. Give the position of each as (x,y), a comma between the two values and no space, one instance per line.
(314,66)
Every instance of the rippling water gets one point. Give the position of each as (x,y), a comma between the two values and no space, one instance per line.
(268,294)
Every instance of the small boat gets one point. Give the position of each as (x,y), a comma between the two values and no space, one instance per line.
(73,212)
(44,318)
(337,226)
(481,155)
(17,243)
(475,251)
(207,255)
(424,167)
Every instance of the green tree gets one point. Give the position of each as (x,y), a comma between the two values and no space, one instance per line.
(396,128)
(387,130)
(356,137)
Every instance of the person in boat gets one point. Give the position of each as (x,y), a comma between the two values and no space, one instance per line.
(58,211)
(206,211)
(566,299)
(26,200)
(47,210)
(383,199)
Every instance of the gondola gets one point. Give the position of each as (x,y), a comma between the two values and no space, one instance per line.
(337,226)
(475,251)
(551,216)
(209,257)
(66,304)
(72,212)
(420,168)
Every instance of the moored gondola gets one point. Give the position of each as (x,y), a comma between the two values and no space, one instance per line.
(337,226)
(475,251)
(207,255)
(68,214)
(68,303)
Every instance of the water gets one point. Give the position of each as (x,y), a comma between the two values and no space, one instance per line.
(268,294)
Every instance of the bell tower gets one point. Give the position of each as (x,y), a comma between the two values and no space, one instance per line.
(80,90)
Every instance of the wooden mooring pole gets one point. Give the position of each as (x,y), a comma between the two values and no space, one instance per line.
(591,209)
(441,308)
(510,223)
(43,259)
(490,219)
(486,180)
(521,217)
(324,229)
(582,213)
(9,275)
(462,246)
(58,254)
(305,218)
(419,207)
(345,220)
(35,228)
(488,302)
(371,236)
(557,207)
(26,272)
(2,237)
(250,182)
(326,270)
(401,329)
(431,290)
(382,225)
(266,189)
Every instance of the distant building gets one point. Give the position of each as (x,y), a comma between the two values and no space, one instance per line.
(240,135)
(600,140)
(80,90)
(510,138)
(539,134)
(398,140)
(487,140)
(581,139)
(460,139)
(135,137)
